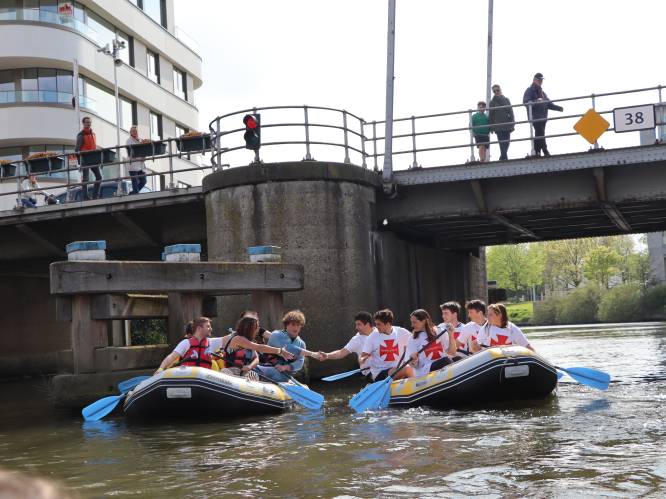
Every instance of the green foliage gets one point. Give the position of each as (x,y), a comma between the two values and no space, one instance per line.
(563,262)
(601,263)
(654,300)
(545,312)
(621,304)
(579,306)
(513,266)
(520,313)
(638,268)
(149,331)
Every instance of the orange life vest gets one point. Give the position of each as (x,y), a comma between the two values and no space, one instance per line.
(196,355)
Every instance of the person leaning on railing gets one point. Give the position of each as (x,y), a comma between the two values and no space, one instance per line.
(86,140)
(501,120)
(136,167)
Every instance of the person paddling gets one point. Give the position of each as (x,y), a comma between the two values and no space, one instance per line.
(437,351)
(476,311)
(499,331)
(240,351)
(384,348)
(450,312)
(196,349)
(364,326)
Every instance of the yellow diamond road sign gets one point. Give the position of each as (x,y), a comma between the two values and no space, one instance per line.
(591,126)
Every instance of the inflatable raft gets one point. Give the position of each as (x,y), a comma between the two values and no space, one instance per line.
(499,374)
(195,391)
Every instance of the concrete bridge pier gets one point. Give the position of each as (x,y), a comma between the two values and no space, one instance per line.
(324,217)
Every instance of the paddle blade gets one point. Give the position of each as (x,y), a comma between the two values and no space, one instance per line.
(130,384)
(559,375)
(338,376)
(372,396)
(589,377)
(303,395)
(100,408)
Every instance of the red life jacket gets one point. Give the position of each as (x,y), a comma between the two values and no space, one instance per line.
(238,358)
(89,140)
(196,355)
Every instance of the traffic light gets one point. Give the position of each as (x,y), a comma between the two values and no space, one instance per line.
(252,131)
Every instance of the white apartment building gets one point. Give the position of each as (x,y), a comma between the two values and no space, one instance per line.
(50,47)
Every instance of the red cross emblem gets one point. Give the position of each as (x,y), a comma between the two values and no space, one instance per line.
(501,340)
(434,351)
(390,350)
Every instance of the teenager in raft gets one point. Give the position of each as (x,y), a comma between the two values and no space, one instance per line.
(364,326)
(383,349)
(499,331)
(197,348)
(437,352)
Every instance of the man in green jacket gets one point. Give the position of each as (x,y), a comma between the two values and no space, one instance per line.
(481,130)
(501,120)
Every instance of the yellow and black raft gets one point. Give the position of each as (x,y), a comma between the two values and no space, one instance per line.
(499,374)
(196,391)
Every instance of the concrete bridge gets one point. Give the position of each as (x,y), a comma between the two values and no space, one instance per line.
(364,243)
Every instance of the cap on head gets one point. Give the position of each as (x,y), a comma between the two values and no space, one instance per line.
(538,76)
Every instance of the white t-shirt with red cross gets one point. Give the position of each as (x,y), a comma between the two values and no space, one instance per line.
(492,336)
(356,343)
(385,349)
(468,333)
(457,331)
(434,351)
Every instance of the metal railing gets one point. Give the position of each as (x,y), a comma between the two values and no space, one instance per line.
(68,169)
(292,133)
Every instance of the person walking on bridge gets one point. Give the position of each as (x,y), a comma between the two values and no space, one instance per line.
(500,116)
(538,104)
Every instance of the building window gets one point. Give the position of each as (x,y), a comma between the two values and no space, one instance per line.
(7,10)
(36,85)
(7,87)
(126,54)
(155,126)
(127,113)
(181,130)
(155,9)
(153,66)
(179,83)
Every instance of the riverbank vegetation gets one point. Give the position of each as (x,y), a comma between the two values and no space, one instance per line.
(577,281)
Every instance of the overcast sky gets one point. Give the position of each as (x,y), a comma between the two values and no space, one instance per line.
(333,53)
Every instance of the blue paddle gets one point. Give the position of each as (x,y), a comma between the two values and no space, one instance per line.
(100,408)
(377,395)
(589,377)
(299,393)
(335,377)
(130,384)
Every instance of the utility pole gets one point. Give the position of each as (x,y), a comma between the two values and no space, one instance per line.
(489,59)
(387,173)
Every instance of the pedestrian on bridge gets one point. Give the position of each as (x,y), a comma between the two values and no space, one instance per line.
(538,104)
(137,166)
(481,130)
(86,140)
(501,120)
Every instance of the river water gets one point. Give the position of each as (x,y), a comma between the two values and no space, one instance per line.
(579,443)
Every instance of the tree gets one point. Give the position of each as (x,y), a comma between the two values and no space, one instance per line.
(513,266)
(563,262)
(638,268)
(601,263)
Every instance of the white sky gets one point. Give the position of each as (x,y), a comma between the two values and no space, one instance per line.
(333,53)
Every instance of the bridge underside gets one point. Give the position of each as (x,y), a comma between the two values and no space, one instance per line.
(569,196)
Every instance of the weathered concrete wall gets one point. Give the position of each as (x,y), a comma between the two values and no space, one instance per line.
(29,332)
(323,216)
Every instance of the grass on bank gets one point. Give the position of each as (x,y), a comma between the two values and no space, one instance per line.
(520,313)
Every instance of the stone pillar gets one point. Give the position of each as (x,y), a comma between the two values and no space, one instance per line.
(322,215)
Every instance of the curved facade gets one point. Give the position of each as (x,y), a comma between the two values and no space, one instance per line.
(52,47)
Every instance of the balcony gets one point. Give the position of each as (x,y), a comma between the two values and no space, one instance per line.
(44,97)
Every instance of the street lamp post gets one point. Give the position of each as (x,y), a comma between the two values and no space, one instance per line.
(114,51)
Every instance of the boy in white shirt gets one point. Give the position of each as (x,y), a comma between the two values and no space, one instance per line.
(385,348)
(476,311)
(363,325)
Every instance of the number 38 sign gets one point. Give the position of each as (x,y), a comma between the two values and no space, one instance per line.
(630,119)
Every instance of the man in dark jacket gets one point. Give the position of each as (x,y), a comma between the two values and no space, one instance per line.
(537,101)
(501,120)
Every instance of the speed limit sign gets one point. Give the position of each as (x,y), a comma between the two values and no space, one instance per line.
(630,119)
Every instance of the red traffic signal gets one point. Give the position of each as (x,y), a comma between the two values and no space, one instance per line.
(252,134)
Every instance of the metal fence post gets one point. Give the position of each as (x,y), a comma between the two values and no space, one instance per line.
(594,106)
(363,163)
(414,163)
(344,126)
(257,159)
(471,136)
(19,203)
(374,144)
(172,185)
(660,123)
(529,124)
(218,153)
(308,156)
